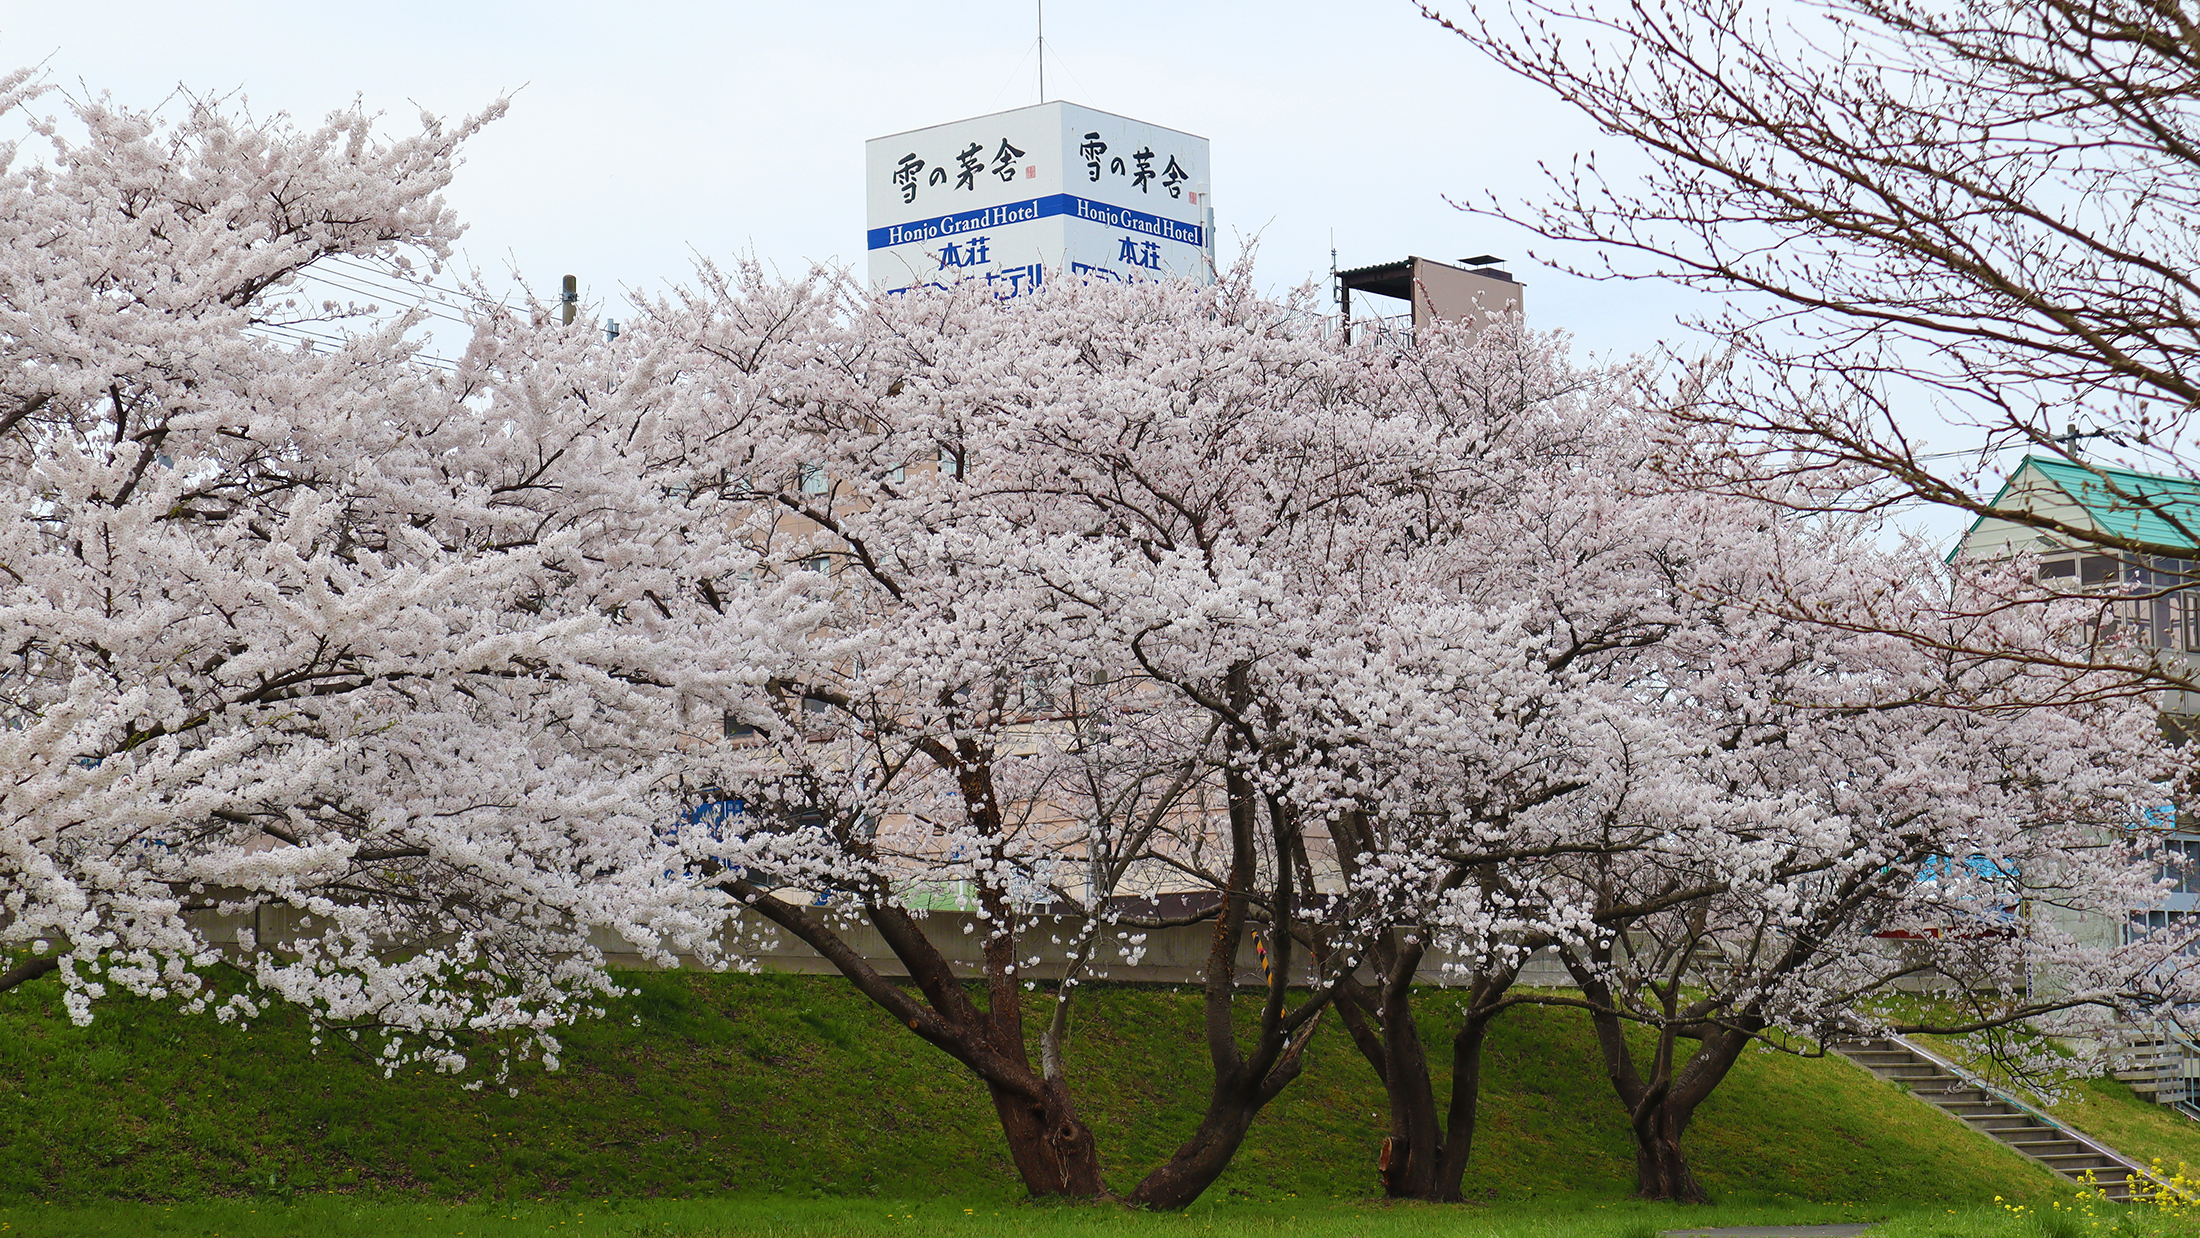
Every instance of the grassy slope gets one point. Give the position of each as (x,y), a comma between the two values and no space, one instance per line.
(712,1085)
(2130,1123)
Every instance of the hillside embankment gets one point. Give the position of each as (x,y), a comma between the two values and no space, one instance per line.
(707,1085)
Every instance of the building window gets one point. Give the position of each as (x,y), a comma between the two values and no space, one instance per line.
(2171,924)
(814,480)
(2181,864)
(2161,609)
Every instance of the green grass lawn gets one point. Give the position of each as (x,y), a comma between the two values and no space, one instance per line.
(793,1092)
(338,1217)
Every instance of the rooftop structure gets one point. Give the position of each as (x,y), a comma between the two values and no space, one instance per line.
(2156,602)
(1037,193)
(1472,290)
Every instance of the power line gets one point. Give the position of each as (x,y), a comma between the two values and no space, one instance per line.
(387,297)
(301,333)
(288,334)
(368,270)
(380,277)
(350,284)
(347,275)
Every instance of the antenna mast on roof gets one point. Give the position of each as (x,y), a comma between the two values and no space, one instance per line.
(1344,298)
(2071,436)
(1042,50)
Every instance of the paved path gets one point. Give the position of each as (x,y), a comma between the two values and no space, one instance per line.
(1771,1231)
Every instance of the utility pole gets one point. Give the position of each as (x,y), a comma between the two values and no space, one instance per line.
(1344,294)
(571,297)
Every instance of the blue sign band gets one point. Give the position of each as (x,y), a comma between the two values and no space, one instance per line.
(941,227)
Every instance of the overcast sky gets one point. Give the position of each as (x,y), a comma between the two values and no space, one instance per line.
(642,135)
(645,133)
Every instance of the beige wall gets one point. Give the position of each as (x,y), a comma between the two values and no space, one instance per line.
(2029,489)
(1447,293)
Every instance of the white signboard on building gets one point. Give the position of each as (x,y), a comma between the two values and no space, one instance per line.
(1046,192)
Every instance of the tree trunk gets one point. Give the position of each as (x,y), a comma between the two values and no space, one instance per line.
(1244,1082)
(1466,1099)
(1661,1102)
(1202,1158)
(1413,1155)
(1423,1158)
(1430,1163)
(1051,1147)
(1661,1169)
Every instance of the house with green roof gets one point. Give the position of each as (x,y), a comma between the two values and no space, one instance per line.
(2133,537)
(2121,530)
(2144,513)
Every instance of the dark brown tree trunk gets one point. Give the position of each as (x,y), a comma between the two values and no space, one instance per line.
(1244,1082)
(1414,1153)
(1201,1159)
(30,970)
(1661,1113)
(1466,1099)
(1239,1095)
(1661,1169)
(1051,1147)
(1661,1102)
(1425,1156)
(1198,1161)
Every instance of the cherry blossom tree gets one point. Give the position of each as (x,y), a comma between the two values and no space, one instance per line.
(1538,676)
(1506,631)
(347,652)
(1848,787)
(1459,660)
(407,689)
(965,713)
(1973,209)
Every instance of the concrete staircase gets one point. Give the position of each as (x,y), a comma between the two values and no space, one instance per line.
(1990,1112)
